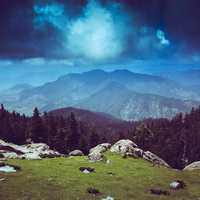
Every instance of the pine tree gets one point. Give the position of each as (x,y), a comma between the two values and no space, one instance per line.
(74,137)
(37,129)
(94,139)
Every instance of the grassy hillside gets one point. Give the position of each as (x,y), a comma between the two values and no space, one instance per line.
(60,179)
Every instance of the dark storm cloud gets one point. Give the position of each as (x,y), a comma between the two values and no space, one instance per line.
(140,28)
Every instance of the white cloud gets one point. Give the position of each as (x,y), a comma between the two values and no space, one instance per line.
(96,34)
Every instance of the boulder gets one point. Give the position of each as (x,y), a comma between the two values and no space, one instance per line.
(193,166)
(93,191)
(178,184)
(147,155)
(96,153)
(95,156)
(101,148)
(7,169)
(43,150)
(159,192)
(123,146)
(108,198)
(31,156)
(30,151)
(76,153)
(86,169)
(127,148)
(11,155)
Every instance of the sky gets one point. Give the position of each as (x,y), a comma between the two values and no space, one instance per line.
(44,39)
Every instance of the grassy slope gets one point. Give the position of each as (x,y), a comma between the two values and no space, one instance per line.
(60,179)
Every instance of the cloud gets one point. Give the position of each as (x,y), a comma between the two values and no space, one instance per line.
(50,62)
(151,42)
(34,61)
(96,34)
(100,32)
(5,63)
(50,13)
(161,36)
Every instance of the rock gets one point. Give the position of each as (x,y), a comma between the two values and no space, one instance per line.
(95,156)
(111,173)
(76,153)
(42,150)
(11,155)
(127,148)
(108,198)
(178,184)
(123,146)
(30,151)
(31,156)
(159,192)
(93,191)
(108,161)
(101,148)
(7,169)
(147,155)
(86,170)
(96,153)
(2,179)
(193,166)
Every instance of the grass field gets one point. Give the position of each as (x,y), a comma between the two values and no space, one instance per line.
(61,179)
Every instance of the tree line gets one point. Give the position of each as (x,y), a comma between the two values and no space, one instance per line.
(176,140)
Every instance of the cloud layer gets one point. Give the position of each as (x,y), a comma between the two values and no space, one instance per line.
(100,31)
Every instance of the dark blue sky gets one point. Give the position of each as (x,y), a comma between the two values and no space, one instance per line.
(58,36)
(99,30)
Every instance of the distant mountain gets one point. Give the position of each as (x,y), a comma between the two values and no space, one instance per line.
(85,115)
(186,77)
(114,92)
(74,87)
(128,105)
(101,122)
(14,92)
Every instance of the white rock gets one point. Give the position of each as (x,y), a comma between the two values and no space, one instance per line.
(85,171)
(193,166)
(123,146)
(95,156)
(30,151)
(108,161)
(174,185)
(7,169)
(11,155)
(127,147)
(101,148)
(108,198)
(147,155)
(96,153)
(76,153)
(37,146)
(31,156)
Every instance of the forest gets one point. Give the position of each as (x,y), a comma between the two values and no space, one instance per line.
(176,140)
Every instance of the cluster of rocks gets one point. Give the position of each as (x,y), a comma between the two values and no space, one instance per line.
(193,166)
(34,151)
(125,148)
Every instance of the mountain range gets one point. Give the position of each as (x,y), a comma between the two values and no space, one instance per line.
(120,93)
